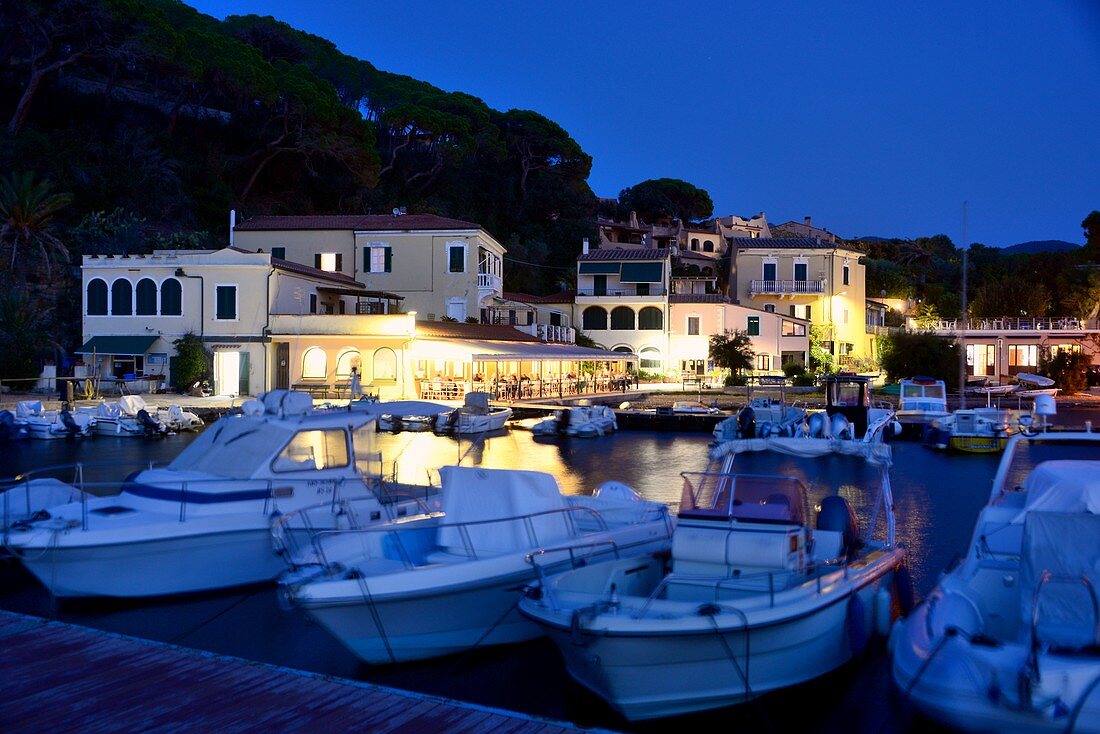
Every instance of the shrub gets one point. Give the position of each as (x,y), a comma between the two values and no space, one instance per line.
(905,354)
(804,380)
(793,369)
(189,365)
(1069,370)
(733,380)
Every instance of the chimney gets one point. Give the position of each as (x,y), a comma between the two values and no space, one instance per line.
(807,220)
(232,224)
(584,246)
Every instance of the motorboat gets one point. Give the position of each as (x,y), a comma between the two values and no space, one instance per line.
(581,421)
(475,416)
(403,415)
(1030,386)
(921,401)
(1009,640)
(52,424)
(754,597)
(766,417)
(693,407)
(129,416)
(974,430)
(12,429)
(204,520)
(178,419)
(439,584)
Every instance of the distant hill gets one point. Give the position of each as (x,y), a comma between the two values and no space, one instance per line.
(1037,246)
(869,238)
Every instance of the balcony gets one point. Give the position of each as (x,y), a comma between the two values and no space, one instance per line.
(489,282)
(620,292)
(786,287)
(1036,324)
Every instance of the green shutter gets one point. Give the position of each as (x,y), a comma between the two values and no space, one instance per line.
(389,260)
(339,263)
(317,261)
(599,268)
(278,252)
(243,387)
(754,326)
(456,256)
(226,300)
(366,259)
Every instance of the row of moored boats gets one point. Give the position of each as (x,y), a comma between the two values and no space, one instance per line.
(129,416)
(755,584)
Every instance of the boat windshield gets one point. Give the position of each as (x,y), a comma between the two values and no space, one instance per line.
(237,447)
(932,392)
(1032,452)
(746,497)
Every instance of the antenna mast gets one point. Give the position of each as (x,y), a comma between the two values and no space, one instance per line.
(963,321)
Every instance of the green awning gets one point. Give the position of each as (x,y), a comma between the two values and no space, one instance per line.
(599,268)
(131,346)
(642,273)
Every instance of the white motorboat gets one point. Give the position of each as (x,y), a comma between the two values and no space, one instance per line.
(1009,641)
(435,585)
(128,417)
(753,598)
(581,421)
(921,401)
(179,419)
(476,416)
(52,424)
(763,416)
(204,521)
(973,430)
(403,415)
(693,407)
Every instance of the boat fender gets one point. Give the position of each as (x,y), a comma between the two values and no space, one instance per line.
(70,424)
(278,534)
(903,589)
(746,422)
(857,625)
(884,611)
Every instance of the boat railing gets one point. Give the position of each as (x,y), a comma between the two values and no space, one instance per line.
(574,562)
(463,528)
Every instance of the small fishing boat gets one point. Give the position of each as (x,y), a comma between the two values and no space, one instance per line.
(755,597)
(12,429)
(476,416)
(177,419)
(1009,640)
(921,401)
(204,521)
(973,430)
(443,583)
(127,417)
(693,407)
(763,416)
(52,424)
(1030,386)
(402,415)
(581,421)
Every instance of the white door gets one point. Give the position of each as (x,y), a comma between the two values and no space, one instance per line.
(227,372)
(456,309)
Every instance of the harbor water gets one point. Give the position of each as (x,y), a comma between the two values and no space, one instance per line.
(937,499)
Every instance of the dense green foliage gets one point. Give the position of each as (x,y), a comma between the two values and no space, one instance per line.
(1069,370)
(732,350)
(24,340)
(190,363)
(905,354)
(665,198)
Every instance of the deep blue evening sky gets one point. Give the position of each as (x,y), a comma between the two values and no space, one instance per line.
(874,118)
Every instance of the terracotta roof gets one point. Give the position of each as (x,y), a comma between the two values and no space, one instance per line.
(635,253)
(560,297)
(353,221)
(710,257)
(460,330)
(787,243)
(618,225)
(293,267)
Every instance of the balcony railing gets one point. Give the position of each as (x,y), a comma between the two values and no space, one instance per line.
(1045,323)
(489,281)
(786,287)
(620,293)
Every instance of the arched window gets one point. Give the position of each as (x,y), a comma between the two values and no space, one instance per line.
(385,364)
(650,318)
(348,358)
(314,363)
(146,297)
(96,300)
(622,319)
(623,349)
(650,358)
(695,243)
(594,318)
(708,246)
(122,298)
(171,298)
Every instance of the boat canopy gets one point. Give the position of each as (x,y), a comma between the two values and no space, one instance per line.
(1064,486)
(1034,380)
(743,497)
(473,495)
(1057,568)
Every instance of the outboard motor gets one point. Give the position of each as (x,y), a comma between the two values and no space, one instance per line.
(563,421)
(71,426)
(818,426)
(151,426)
(765,429)
(837,515)
(841,427)
(746,422)
(451,422)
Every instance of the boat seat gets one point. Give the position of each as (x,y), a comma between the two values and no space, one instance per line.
(698,589)
(828,545)
(726,552)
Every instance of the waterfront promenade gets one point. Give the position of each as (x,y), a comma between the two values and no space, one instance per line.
(61,677)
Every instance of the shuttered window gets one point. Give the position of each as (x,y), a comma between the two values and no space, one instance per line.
(146,297)
(96,301)
(226,306)
(754,326)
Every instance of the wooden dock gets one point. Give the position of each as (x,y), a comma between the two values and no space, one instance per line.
(60,677)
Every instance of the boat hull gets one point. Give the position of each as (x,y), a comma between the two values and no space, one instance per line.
(978,444)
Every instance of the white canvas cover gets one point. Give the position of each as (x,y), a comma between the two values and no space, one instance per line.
(108,410)
(1065,545)
(28,408)
(473,494)
(131,404)
(287,402)
(1064,486)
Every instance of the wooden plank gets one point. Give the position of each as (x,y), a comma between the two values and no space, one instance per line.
(63,677)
